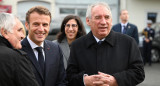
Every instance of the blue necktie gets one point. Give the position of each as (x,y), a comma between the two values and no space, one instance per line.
(40,58)
(124,30)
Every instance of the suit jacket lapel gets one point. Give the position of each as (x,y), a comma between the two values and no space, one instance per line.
(27,48)
(47,57)
(128,27)
(119,29)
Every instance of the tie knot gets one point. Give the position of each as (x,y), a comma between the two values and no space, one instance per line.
(39,49)
(100,42)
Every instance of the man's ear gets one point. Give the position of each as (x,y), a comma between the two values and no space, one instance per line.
(88,21)
(4,33)
(27,25)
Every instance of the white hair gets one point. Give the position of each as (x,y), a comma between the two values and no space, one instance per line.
(89,9)
(7,22)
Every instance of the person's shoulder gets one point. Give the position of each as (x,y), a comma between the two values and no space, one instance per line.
(50,42)
(152,29)
(116,25)
(122,37)
(80,39)
(8,50)
(11,53)
(55,41)
(132,25)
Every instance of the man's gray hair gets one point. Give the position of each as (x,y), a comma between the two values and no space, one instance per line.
(7,22)
(89,9)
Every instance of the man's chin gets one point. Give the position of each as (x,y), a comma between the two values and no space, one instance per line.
(18,47)
(40,39)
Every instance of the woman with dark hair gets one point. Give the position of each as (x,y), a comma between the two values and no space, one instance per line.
(71,29)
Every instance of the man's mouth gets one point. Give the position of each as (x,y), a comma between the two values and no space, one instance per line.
(103,27)
(40,34)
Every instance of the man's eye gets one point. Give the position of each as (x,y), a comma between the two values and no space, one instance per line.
(107,17)
(36,24)
(45,25)
(97,17)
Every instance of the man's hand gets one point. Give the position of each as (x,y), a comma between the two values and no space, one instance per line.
(93,80)
(147,40)
(109,79)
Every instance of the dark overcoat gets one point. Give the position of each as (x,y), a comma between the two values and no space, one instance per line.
(118,55)
(15,68)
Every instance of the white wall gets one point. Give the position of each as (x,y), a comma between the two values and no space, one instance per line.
(19,9)
(138,11)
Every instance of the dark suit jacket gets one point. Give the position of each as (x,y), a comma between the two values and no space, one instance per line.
(118,55)
(54,68)
(131,30)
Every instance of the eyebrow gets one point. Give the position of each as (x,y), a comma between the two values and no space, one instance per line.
(20,28)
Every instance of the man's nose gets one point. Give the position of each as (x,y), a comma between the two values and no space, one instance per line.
(22,35)
(103,21)
(41,27)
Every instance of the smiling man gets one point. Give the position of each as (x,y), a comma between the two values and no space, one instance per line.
(45,55)
(104,57)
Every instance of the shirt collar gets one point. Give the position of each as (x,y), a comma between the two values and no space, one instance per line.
(33,45)
(91,40)
(124,24)
(148,28)
(98,39)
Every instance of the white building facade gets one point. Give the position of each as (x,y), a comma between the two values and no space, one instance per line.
(79,7)
(59,8)
(139,10)
(142,10)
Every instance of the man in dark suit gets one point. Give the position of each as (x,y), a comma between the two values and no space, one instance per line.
(125,27)
(48,61)
(148,33)
(15,67)
(104,57)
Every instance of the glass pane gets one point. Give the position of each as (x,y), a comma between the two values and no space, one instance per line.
(152,16)
(67,11)
(81,12)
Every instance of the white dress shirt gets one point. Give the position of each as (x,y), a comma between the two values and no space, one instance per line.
(122,26)
(33,46)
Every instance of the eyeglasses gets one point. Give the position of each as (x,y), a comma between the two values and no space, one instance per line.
(73,25)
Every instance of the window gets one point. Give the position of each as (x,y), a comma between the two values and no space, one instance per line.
(77,11)
(152,16)
(81,12)
(67,11)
